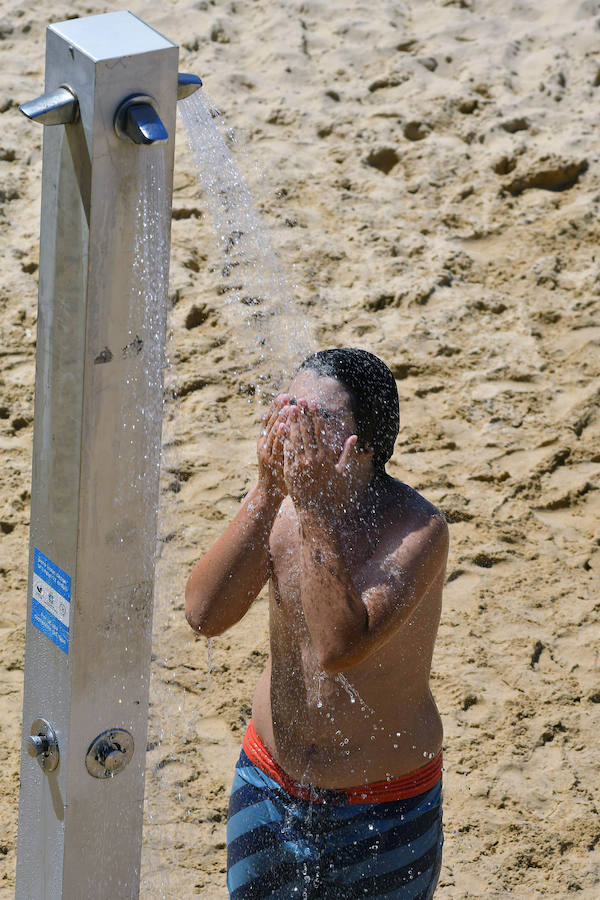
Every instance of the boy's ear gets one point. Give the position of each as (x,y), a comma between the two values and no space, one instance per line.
(347,450)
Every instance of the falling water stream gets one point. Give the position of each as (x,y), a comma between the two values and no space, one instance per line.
(145,338)
(269,324)
(147,317)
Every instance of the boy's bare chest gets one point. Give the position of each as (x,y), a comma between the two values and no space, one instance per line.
(286,548)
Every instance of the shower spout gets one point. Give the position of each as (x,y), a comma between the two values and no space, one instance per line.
(138,122)
(59,107)
(187,85)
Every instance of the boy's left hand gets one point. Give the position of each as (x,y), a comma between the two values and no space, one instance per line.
(314,474)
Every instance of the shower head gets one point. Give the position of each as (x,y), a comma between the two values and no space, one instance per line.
(58,107)
(187,85)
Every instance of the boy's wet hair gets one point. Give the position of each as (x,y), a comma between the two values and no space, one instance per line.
(373,396)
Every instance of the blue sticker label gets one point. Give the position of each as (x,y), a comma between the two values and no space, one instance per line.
(51,600)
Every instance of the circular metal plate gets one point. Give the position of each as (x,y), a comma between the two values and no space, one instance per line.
(109,753)
(121,113)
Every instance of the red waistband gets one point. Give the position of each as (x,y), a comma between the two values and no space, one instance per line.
(410,785)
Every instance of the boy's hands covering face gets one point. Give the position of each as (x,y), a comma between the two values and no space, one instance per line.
(270,447)
(314,473)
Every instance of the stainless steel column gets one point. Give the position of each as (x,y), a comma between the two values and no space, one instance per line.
(98,402)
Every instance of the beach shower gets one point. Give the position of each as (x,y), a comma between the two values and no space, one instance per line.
(112,84)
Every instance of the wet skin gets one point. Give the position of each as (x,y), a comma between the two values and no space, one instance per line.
(305,715)
(355,562)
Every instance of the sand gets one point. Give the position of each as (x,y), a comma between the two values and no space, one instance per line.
(431,182)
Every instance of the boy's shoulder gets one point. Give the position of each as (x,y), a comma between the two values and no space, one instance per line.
(414,521)
(405,501)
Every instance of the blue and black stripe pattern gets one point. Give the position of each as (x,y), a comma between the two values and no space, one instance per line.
(282,847)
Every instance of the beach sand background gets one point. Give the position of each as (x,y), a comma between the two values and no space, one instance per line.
(429,175)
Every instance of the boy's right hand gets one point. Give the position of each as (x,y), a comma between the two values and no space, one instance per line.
(270,448)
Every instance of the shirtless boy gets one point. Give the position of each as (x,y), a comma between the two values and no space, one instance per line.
(337,792)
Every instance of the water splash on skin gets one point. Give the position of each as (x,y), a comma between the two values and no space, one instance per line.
(353,693)
(377,725)
(319,677)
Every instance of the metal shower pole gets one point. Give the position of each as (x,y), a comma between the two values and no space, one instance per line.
(111,91)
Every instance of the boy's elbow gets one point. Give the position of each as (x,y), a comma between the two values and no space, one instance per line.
(337,665)
(333,661)
(195,616)
(200,626)
(342,649)
(193,620)
(331,665)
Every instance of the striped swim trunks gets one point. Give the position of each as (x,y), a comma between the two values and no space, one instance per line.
(290,840)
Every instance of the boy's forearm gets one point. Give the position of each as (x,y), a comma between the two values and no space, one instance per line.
(335,614)
(224,583)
